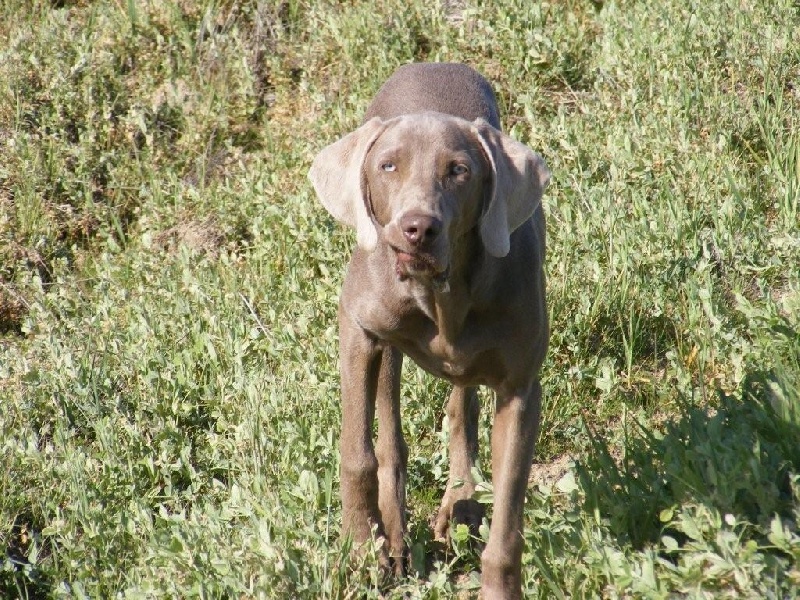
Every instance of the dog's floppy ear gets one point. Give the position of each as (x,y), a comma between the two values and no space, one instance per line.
(519,177)
(337,177)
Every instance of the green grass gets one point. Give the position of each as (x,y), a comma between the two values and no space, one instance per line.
(168,285)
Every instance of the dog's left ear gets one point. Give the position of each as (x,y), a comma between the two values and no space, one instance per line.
(519,177)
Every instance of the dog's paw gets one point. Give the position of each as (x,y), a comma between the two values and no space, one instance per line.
(462,511)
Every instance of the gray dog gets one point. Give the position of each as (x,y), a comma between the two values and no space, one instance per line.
(449,271)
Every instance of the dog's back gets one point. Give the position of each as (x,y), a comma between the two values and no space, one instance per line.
(450,88)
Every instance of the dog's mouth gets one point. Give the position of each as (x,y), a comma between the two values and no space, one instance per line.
(417,263)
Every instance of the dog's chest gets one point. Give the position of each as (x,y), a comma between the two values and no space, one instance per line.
(464,361)
(459,345)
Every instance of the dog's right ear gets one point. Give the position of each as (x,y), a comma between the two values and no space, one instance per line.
(337,177)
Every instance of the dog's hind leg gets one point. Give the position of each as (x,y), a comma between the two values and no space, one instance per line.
(463,409)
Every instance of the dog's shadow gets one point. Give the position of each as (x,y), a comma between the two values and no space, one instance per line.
(734,457)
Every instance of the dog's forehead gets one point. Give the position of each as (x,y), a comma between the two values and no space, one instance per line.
(432,130)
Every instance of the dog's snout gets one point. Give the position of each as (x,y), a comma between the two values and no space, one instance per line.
(420,229)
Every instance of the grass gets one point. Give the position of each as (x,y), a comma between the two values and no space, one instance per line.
(168,289)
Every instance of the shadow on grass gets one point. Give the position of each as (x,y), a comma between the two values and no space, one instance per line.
(735,458)
(19,578)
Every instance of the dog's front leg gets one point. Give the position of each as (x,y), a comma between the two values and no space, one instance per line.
(360,359)
(516,426)
(392,456)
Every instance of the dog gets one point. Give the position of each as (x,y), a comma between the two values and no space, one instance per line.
(448,270)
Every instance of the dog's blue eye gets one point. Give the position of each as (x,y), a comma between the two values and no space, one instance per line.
(389,167)
(460,169)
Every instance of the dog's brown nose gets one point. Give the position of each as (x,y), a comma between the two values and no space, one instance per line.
(420,229)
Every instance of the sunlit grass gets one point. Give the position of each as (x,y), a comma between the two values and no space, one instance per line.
(168,290)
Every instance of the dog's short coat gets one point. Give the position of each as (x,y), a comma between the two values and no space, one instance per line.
(448,270)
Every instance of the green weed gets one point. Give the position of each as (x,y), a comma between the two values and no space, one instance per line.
(168,291)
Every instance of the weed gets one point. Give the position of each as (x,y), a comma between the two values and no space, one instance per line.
(168,292)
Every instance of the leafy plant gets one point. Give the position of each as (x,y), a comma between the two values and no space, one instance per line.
(168,297)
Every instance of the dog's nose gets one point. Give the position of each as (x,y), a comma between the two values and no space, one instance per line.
(420,229)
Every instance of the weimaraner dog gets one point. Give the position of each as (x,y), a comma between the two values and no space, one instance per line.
(448,270)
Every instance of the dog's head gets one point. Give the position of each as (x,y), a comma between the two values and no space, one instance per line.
(420,182)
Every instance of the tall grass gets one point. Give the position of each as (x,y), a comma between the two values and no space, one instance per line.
(168,289)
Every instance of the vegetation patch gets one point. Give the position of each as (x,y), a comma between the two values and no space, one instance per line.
(169,284)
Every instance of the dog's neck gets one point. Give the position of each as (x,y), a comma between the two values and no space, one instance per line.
(448,298)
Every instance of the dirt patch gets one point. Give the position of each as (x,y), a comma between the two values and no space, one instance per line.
(16,258)
(548,473)
(203,237)
(454,11)
(12,309)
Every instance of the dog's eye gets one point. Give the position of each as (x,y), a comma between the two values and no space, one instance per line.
(389,167)
(459,169)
